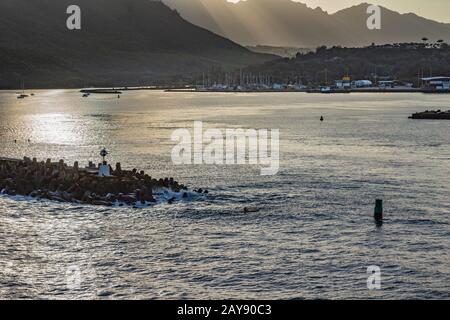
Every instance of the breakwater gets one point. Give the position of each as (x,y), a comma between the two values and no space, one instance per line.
(95,184)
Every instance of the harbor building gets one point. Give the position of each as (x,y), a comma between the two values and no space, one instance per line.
(437,83)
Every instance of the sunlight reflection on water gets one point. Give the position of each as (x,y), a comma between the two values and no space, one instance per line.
(313,236)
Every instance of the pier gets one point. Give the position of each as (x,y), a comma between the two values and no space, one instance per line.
(94,184)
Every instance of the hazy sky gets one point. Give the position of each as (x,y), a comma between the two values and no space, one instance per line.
(434,9)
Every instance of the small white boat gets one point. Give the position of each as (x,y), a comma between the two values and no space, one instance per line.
(325,89)
(22,95)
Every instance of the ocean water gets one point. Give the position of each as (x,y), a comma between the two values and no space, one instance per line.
(313,235)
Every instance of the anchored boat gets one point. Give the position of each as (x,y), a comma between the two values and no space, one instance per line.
(431,115)
(22,95)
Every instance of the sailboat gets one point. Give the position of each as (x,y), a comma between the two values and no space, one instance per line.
(22,95)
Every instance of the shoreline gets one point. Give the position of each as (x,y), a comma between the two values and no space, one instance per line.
(119,88)
(188,89)
(192,89)
(312,91)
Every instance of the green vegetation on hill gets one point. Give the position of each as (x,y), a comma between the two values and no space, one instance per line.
(404,62)
(286,52)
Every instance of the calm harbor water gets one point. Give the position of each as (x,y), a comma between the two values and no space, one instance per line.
(313,236)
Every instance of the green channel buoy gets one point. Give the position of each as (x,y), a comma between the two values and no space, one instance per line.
(378,210)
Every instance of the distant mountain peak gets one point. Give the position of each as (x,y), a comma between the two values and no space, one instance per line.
(294,24)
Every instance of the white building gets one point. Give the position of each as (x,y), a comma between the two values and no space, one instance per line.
(342,84)
(437,83)
(362,83)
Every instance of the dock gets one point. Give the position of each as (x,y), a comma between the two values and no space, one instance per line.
(431,115)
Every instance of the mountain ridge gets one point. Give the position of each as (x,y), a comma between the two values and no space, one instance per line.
(121,42)
(293,24)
